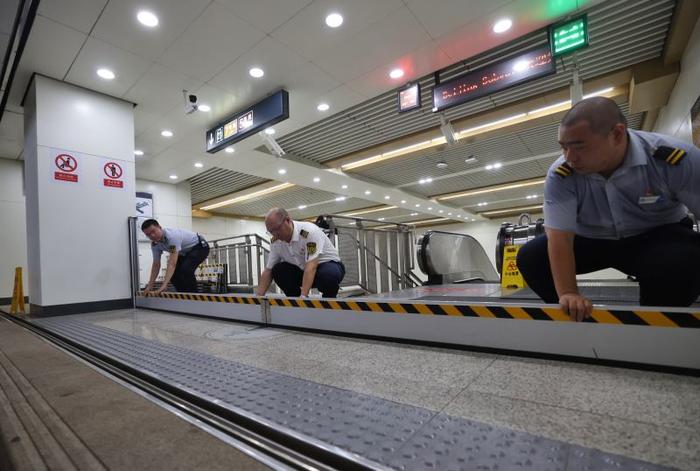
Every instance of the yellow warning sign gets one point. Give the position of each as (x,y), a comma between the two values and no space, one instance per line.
(17,294)
(510,275)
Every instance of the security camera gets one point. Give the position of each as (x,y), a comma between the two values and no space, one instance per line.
(190,102)
(447,131)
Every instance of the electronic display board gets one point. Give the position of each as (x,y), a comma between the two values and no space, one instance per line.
(409,98)
(494,78)
(269,111)
(569,36)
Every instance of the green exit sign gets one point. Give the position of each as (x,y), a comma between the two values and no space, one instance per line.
(570,36)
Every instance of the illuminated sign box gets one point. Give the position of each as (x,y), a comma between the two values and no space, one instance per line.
(237,127)
(569,36)
(494,78)
(409,98)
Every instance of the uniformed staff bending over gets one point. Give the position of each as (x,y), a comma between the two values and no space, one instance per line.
(617,198)
(187,250)
(301,257)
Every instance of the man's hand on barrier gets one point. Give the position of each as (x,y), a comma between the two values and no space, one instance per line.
(576,306)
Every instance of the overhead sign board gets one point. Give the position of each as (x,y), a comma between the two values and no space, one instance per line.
(409,97)
(494,78)
(271,110)
(569,36)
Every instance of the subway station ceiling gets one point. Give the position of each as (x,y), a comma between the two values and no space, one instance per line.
(207,47)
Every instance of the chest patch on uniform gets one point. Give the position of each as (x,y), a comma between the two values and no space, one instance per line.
(564,170)
(311,248)
(304,233)
(672,155)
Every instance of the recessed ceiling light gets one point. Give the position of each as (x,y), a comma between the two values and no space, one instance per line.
(344,187)
(483,203)
(417,205)
(441,211)
(423,181)
(302,206)
(198,164)
(414,214)
(449,214)
(317,179)
(229,150)
(105,74)
(323,107)
(441,165)
(334,20)
(473,219)
(147,18)
(459,215)
(380,219)
(166,133)
(204,107)
(396,73)
(270,131)
(282,171)
(387,197)
(138,152)
(430,208)
(173,177)
(502,25)
(403,201)
(367,192)
(497,165)
(256,72)
(340,198)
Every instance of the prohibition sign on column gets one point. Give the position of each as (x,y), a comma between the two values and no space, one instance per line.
(66,163)
(113,170)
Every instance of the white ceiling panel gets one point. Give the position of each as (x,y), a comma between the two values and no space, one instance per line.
(8,11)
(127,67)
(265,15)
(283,69)
(210,43)
(118,24)
(160,89)
(10,149)
(415,64)
(12,126)
(77,14)
(440,17)
(143,121)
(308,35)
(50,50)
(378,45)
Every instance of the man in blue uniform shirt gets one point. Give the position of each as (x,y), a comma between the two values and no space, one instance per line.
(301,257)
(617,198)
(187,250)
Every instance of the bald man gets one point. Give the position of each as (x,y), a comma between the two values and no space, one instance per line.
(301,257)
(617,198)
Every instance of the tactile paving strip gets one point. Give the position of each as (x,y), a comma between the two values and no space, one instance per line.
(376,432)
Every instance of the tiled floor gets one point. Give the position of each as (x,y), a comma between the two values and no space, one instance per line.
(649,416)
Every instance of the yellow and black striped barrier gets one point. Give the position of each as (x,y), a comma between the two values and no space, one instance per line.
(212,298)
(620,317)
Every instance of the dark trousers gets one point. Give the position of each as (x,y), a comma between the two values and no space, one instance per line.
(665,261)
(183,278)
(327,280)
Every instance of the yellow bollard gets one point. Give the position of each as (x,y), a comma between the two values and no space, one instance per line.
(18,294)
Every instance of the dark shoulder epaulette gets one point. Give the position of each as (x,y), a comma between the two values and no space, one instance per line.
(672,155)
(304,233)
(564,170)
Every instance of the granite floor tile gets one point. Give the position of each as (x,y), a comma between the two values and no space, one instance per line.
(642,441)
(661,399)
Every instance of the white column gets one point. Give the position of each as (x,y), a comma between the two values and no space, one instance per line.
(77,207)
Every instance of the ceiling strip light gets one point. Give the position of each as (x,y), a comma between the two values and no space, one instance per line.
(492,189)
(511,210)
(470,132)
(248,196)
(368,211)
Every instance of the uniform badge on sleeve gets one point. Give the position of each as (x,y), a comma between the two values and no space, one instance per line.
(172,249)
(304,233)
(311,248)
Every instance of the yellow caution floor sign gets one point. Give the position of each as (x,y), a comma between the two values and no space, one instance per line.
(18,294)
(510,274)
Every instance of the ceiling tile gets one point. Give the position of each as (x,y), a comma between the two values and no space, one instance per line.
(12,126)
(211,43)
(50,50)
(8,11)
(283,69)
(10,149)
(160,89)
(308,35)
(265,15)
(379,44)
(127,67)
(440,17)
(77,14)
(118,24)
